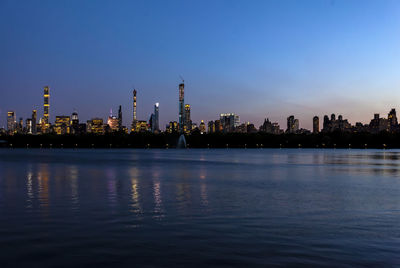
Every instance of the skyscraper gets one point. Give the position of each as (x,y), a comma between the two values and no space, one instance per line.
(62,125)
(20,126)
(181,106)
(315,124)
(113,122)
(120,118)
(34,120)
(11,122)
(134,121)
(46,108)
(292,124)
(202,127)
(155,127)
(28,126)
(392,120)
(188,121)
(229,122)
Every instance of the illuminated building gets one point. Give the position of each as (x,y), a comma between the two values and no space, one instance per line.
(229,122)
(246,128)
(28,126)
(62,125)
(95,126)
(181,106)
(218,126)
(46,108)
(142,126)
(172,127)
(292,124)
(393,120)
(34,122)
(74,123)
(76,127)
(315,124)
(134,122)
(202,127)
(188,121)
(120,118)
(211,127)
(11,122)
(20,126)
(113,122)
(155,119)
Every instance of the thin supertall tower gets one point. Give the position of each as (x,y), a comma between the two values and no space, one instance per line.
(120,118)
(34,121)
(46,108)
(133,128)
(181,106)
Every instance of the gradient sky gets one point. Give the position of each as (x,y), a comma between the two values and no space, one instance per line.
(254,58)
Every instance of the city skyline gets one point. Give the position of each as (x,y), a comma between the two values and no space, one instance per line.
(227,122)
(232,57)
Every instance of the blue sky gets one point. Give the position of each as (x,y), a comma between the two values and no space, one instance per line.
(255,58)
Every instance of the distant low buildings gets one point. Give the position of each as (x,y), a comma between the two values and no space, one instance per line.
(333,124)
(269,127)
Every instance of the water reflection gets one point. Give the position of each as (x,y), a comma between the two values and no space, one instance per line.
(158,204)
(43,185)
(29,187)
(73,178)
(374,163)
(111,187)
(158,209)
(203,186)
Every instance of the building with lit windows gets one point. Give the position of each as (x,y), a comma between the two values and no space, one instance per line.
(172,127)
(393,124)
(46,108)
(155,127)
(202,127)
(34,122)
(211,127)
(120,118)
(11,122)
(181,107)
(62,125)
(292,124)
(229,122)
(315,124)
(95,126)
(28,126)
(134,121)
(20,126)
(188,120)
(113,122)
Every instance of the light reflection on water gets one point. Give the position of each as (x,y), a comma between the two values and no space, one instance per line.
(145,207)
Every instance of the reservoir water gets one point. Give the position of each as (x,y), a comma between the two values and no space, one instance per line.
(198,208)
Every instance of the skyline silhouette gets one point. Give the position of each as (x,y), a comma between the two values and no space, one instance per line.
(259,59)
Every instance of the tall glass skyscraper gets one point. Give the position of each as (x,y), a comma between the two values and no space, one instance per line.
(181,106)
(155,119)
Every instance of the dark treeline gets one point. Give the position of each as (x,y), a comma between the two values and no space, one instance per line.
(197,140)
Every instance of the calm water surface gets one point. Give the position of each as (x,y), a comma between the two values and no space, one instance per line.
(186,208)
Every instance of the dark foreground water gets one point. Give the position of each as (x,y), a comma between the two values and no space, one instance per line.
(186,208)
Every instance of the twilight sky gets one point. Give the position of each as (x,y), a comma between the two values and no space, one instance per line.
(254,58)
